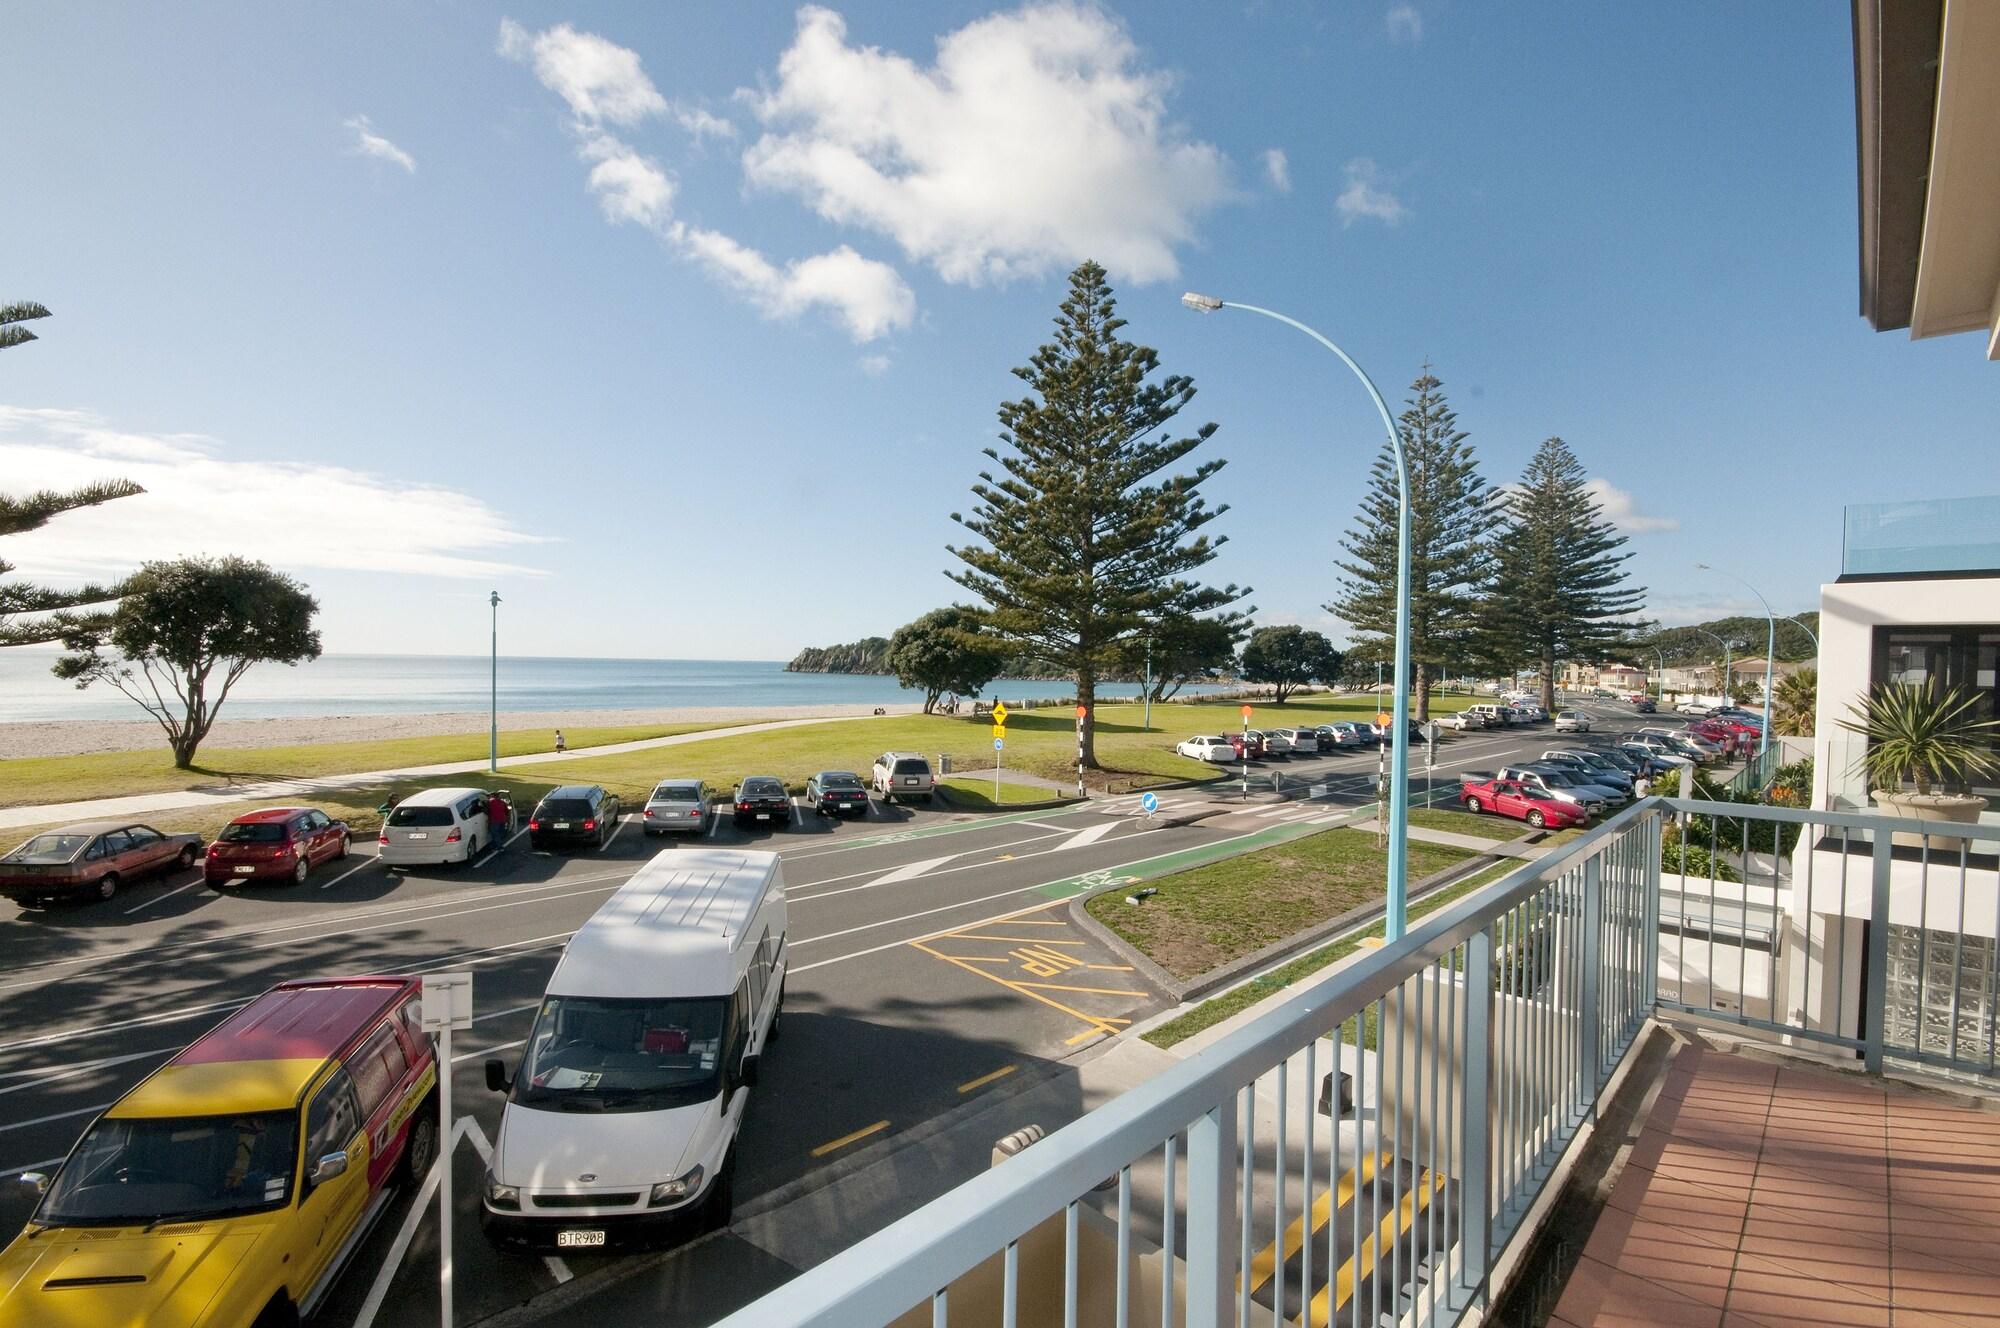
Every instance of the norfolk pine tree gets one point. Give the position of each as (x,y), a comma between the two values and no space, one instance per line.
(1453,514)
(1086,541)
(1560,592)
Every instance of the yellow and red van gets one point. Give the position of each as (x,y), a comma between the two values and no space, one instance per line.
(230,1187)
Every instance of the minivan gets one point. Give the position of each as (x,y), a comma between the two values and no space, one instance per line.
(621,1120)
(903,775)
(434,826)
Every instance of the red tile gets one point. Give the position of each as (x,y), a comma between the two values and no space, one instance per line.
(1600,1296)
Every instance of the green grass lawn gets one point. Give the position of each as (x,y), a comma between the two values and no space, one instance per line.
(1465,823)
(38,779)
(1210,915)
(972,791)
(1235,1001)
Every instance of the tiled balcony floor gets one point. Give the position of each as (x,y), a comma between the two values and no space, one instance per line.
(1768,1196)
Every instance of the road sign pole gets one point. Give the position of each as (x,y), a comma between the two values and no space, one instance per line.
(1246,753)
(446,1005)
(1081,712)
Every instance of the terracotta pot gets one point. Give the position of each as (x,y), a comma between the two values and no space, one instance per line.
(1961,808)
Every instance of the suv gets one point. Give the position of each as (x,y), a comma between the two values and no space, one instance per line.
(574,814)
(903,775)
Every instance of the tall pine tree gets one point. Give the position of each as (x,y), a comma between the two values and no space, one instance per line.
(1453,514)
(1086,539)
(1560,591)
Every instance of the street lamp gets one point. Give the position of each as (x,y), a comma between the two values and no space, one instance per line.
(1660,684)
(1728,658)
(493,748)
(1770,647)
(1399,771)
(1794,621)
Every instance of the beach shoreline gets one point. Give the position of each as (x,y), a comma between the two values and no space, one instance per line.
(77,737)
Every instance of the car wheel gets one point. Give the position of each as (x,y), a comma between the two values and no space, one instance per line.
(301,869)
(1537,820)
(1474,806)
(185,859)
(107,886)
(421,1149)
(471,849)
(721,1205)
(346,842)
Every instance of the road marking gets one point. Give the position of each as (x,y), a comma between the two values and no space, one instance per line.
(1089,836)
(1329,1203)
(1012,940)
(834,1145)
(988,1078)
(1102,1023)
(616,831)
(1088,991)
(714,824)
(60,1115)
(359,866)
(161,899)
(71,1072)
(906,872)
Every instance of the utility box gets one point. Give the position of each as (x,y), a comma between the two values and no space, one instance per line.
(944,763)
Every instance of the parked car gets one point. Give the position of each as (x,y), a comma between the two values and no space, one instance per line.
(1645,706)
(837,793)
(762,798)
(1692,708)
(91,860)
(1210,748)
(1324,736)
(574,814)
(1493,716)
(268,1148)
(1346,733)
(275,844)
(1612,792)
(1553,783)
(1510,797)
(1249,746)
(434,826)
(1532,711)
(1572,721)
(1596,771)
(1275,743)
(903,775)
(1685,743)
(1462,721)
(1303,742)
(679,806)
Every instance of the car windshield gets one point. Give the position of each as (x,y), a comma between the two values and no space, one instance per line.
(253,832)
(676,793)
(174,1168)
(839,779)
(50,848)
(600,1054)
(420,816)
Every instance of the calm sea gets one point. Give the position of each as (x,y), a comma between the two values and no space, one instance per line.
(426,684)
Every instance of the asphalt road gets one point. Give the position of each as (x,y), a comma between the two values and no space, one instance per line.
(930,962)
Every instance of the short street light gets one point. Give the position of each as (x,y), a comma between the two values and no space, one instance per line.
(1770,647)
(1399,772)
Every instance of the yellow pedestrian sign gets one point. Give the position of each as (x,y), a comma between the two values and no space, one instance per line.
(999,713)
(999,730)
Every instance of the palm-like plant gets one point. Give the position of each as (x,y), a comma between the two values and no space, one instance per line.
(1794,701)
(1922,734)
(12,315)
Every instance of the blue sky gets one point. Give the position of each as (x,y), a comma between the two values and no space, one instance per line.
(683,326)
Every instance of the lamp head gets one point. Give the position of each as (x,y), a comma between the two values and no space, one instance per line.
(1201,304)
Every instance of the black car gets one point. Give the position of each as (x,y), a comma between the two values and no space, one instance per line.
(574,814)
(1645,707)
(762,800)
(837,793)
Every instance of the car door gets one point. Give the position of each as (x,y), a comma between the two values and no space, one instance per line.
(121,855)
(329,1209)
(325,837)
(148,851)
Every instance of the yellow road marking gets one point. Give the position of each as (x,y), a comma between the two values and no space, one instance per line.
(1012,940)
(1035,922)
(1085,1036)
(846,1139)
(1101,1024)
(1088,991)
(1324,1207)
(983,959)
(1394,1228)
(986,1079)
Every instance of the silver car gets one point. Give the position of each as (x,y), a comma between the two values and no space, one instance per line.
(904,775)
(434,826)
(679,806)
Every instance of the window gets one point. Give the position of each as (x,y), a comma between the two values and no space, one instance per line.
(255,832)
(1965,657)
(377,1068)
(606,1054)
(565,809)
(416,817)
(128,1172)
(333,1120)
(142,835)
(413,1023)
(116,842)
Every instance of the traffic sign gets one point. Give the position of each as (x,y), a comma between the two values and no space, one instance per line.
(1151,803)
(1246,711)
(446,1003)
(1081,711)
(999,743)
(1383,718)
(999,730)
(999,712)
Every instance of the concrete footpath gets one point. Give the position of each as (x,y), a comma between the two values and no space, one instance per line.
(272,790)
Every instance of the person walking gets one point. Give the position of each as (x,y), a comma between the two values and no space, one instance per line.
(561,746)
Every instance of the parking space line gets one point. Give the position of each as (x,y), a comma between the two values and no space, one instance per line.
(987,1078)
(616,831)
(1088,991)
(161,899)
(1012,940)
(359,866)
(833,1145)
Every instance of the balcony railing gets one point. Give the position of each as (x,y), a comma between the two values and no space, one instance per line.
(1235,1188)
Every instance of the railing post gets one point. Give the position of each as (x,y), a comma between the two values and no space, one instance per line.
(1211,1217)
(1589,1016)
(1875,1000)
(1475,1167)
(1650,847)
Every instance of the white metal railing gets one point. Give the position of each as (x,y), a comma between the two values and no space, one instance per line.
(1477,1047)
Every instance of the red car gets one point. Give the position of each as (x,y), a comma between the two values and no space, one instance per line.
(91,861)
(1508,797)
(1255,740)
(1719,732)
(275,844)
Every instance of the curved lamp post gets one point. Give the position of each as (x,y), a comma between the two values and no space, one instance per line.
(1660,687)
(1399,765)
(493,714)
(1770,647)
(1728,656)
(1794,621)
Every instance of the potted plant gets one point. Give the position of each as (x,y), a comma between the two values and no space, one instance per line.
(1924,736)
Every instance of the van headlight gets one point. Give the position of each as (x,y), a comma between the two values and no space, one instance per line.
(674,1191)
(502,1196)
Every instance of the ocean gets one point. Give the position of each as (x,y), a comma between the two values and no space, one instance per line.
(430,684)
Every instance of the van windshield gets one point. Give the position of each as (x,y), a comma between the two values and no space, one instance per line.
(599,1054)
(126,1172)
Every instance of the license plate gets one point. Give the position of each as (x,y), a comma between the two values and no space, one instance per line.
(763,816)
(246,871)
(562,825)
(911,780)
(574,1240)
(847,806)
(418,834)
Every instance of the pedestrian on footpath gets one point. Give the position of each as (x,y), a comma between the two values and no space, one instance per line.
(561,746)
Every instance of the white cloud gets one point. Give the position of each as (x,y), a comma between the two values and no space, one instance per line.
(1035,140)
(1368,195)
(1405,23)
(1622,510)
(601,81)
(198,500)
(703,124)
(1278,170)
(371,144)
(874,365)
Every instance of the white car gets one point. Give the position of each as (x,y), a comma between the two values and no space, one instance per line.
(1463,721)
(1275,742)
(434,826)
(1572,721)
(1691,708)
(1346,733)
(1214,749)
(1302,741)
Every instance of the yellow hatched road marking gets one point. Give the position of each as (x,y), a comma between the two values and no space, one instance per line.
(1012,940)
(986,1079)
(1097,1022)
(1088,991)
(1394,1228)
(846,1139)
(1324,1207)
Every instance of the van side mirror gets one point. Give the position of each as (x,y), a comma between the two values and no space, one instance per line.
(34,1180)
(748,1077)
(329,1166)
(496,1076)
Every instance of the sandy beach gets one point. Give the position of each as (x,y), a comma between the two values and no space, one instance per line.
(75,737)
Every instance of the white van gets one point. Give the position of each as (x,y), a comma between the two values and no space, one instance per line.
(434,826)
(620,1121)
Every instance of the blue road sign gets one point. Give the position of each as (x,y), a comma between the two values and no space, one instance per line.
(998,743)
(1151,803)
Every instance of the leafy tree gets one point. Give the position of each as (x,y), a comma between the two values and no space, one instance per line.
(1453,514)
(1288,658)
(11,318)
(51,607)
(1794,702)
(946,650)
(1560,589)
(1185,650)
(1087,537)
(187,626)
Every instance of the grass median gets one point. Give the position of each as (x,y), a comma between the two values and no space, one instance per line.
(975,793)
